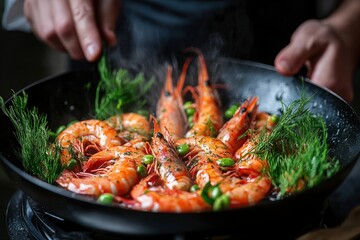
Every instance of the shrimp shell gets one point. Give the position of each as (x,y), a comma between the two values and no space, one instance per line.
(118,177)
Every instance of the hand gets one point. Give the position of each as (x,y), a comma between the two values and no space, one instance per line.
(74,26)
(329,60)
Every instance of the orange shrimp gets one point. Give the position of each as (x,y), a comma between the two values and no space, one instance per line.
(248,193)
(168,164)
(242,192)
(231,132)
(131,126)
(118,177)
(208,117)
(150,195)
(204,152)
(84,138)
(248,162)
(169,111)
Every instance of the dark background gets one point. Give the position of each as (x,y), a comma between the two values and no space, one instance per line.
(23,60)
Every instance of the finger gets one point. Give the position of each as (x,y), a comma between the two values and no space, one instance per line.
(327,74)
(86,28)
(303,46)
(39,15)
(65,29)
(107,12)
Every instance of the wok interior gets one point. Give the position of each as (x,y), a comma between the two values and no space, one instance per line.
(66,98)
(69,97)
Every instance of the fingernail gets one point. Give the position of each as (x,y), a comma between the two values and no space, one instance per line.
(92,50)
(285,66)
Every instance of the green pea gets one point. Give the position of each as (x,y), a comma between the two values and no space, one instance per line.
(274,118)
(229,113)
(148,159)
(215,192)
(187,104)
(60,129)
(106,198)
(71,164)
(191,121)
(141,169)
(222,202)
(225,162)
(190,111)
(194,188)
(183,149)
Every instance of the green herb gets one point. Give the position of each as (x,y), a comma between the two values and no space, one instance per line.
(296,149)
(118,91)
(38,156)
(210,126)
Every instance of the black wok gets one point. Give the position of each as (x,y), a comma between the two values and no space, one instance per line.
(65,98)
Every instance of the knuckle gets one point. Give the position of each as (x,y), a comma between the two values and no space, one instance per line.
(48,34)
(64,27)
(81,12)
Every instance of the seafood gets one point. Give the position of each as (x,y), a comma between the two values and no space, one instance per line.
(204,151)
(120,157)
(242,191)
(113,170)
(167,162)
(231,133)
(208,117)
(169,111)
(150,195)
(248,193)
(84,138)
(131,127)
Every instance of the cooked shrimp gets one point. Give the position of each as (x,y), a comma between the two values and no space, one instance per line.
(248,162)
(204,152)
(169,110)
(86,137)
(149,195)
(208,117)
(168,164)
(231,133)
(131,126)
(117,175)
(248,193)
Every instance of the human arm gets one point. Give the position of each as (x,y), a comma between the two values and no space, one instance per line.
(329,48)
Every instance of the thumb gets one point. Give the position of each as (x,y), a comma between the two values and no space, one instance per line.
(303,46)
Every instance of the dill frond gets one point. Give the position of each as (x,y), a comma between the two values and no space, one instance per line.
(297,149)
(118,91)
(31,131)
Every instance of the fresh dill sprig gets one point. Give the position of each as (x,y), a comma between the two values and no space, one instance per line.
(31,131)
(296,149)
(118,91)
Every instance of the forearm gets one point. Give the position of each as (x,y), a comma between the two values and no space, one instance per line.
(346,22)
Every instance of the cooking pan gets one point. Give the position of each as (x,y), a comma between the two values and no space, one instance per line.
(67,97)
